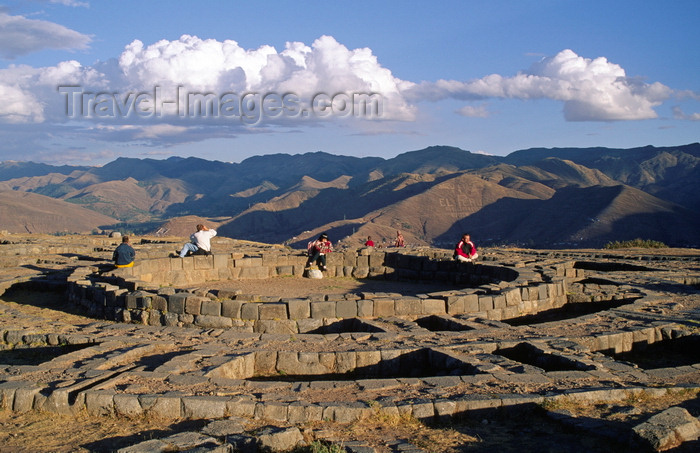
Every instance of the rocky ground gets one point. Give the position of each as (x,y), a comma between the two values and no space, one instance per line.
(545,427)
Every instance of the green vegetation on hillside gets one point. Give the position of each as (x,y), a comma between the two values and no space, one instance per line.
(635,243)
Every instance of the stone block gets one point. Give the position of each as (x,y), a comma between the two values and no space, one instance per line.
(187,263)
(368,358)
(241,407)
(99,402)
(308,325)
(423,410)
(383,307)
(346,361)
(455,304)
(211,308)
(485,303)
(165,406)
(272,311)
(207,407)
(433,307)
(408,306)
(265,362)
(360,272)
(499,301)
(193,305)
(215,322)
(176,302)
(220,260)
(365,308)
(346,309)
(321,310)
(23,398)
(471,303)
(170,319)
(159,303)
(127,405)
(250,311)
(231,308)
(258,272)
(284,270)
(376,259)
(275,411)
(513,297)
(349,258)
(668,429)
(298,308)
(248,262)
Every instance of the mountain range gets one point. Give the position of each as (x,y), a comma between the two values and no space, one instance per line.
(558,197)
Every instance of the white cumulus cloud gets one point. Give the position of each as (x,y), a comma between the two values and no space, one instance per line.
(20,36)
(325,66)
(30,94)
(591,89)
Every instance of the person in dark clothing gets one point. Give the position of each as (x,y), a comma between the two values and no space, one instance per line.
(317,251)
(124,254)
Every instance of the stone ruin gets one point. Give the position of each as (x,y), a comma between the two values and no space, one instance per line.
(174,347)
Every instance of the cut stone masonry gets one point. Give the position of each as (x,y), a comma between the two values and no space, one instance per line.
(432,356)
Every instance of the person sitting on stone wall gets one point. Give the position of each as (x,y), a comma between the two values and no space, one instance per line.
(399,242)
(124,254)
(318,250)
(465,250)
(200,242)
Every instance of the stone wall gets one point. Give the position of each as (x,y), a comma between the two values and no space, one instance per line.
(362,263)
(143,293)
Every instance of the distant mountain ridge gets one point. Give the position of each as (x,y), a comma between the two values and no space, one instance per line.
(542,197)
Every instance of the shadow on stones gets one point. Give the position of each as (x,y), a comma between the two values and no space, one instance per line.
(568,311)
(43,294)
(349,325)
(530,355)
(112,444)
(422,363)
(28,355)
(442,324)
(151,362)
(528,428)
(669,353)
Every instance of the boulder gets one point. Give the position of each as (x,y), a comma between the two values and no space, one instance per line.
(313,273)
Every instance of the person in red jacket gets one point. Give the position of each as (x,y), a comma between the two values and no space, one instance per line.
(465,250)
(369,242)
(317,251)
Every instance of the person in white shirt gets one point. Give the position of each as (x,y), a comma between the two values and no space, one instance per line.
(200,242)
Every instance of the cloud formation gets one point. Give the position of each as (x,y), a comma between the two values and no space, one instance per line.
(21,36)
(591,89)
(325,66)
(117,100)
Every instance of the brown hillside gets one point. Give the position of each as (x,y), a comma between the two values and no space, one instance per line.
(32,183)
(430,213)
(557,173)
(185,226)
(24,212)
(633,213)
(124,199)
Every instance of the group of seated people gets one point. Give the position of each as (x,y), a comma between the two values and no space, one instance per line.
(200,244)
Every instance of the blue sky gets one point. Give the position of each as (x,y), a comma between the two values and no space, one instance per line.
(85,82)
